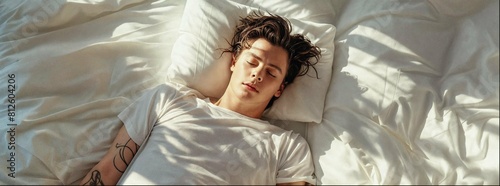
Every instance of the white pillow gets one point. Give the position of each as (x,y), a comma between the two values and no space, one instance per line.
(207,26)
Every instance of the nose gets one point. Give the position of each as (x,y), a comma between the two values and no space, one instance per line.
(257,75)
(258,78)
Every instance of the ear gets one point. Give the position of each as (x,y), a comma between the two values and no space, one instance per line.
(280,91)
(233,62)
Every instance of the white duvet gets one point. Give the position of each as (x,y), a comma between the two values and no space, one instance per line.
(413,98)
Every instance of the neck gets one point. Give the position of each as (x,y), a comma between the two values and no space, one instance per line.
(247,109)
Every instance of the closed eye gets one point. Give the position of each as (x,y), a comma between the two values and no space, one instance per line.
(271,74)
(253,64)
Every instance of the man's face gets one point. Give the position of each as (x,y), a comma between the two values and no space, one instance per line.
(258,72)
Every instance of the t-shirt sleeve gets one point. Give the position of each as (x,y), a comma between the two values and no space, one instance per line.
(296,161)
(140,117)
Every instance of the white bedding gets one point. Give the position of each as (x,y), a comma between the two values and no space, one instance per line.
(413,97)
(77,65)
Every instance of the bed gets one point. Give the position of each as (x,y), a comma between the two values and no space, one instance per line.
(408,90)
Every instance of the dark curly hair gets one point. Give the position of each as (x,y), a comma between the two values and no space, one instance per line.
(276,30)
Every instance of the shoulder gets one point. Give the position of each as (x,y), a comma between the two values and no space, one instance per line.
(296,139)
(295,159)
(287,139)
(290,143)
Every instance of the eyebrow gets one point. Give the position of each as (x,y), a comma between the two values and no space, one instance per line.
(270,64)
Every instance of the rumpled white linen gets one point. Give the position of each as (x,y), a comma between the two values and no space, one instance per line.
(77,64)
(414,97)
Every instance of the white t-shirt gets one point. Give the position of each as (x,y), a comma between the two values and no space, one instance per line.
(188,140)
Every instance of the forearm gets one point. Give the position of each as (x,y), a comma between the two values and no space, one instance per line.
(109,170)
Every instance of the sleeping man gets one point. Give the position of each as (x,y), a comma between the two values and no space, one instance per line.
(186,139)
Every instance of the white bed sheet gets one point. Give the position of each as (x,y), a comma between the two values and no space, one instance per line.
(414,95)
(77,65)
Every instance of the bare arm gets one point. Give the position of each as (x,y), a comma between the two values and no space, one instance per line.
(109,170)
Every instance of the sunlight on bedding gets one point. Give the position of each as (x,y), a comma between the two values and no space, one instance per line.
(408,90)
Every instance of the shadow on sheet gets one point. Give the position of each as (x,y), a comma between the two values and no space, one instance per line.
(414,96)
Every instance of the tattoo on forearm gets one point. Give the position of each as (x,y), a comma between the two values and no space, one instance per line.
(95,179)
(129,147)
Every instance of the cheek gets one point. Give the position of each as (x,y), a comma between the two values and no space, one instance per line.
(242,68)
(276,85)
(238,72)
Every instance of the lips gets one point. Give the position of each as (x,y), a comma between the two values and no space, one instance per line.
(250,87)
